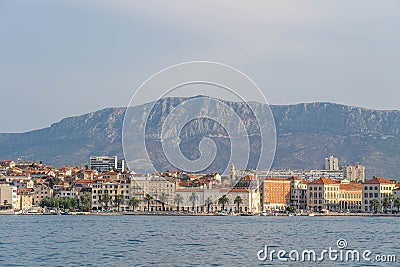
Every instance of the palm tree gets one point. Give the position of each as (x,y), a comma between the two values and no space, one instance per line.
(208,203)
(396,203)
(85,201)
(134,203)
(193,198)
(148,199)
(238,200)
(118,199)
(106,198)
(391,199)
(178,199)
(375,205)
(385,204)
(223,200)
(163,199)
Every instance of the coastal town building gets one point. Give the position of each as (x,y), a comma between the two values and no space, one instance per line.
(396,192)
(8,195)
(335,189)
(25,198)
(331,163)
(378,189)
(114,189)
(323,195)
(298,193)
(309,175)
(207,199)
(275,193)
(250,200)
(8,164)
(40,192)
(350,197)
(69,192)
(103,163)
(121,165)
(355,172)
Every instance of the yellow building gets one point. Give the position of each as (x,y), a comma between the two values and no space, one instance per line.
(323,194)
(25,198)
(114,188)
(350,197)
(376,188)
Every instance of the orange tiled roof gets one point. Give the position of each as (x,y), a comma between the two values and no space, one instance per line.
(378,180)
(323,181)
(276,179)
(294,178)
(351,187)
(27,190)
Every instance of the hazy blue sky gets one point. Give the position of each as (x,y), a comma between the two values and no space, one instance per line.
(63,58)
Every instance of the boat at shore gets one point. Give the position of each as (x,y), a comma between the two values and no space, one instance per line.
(11,212)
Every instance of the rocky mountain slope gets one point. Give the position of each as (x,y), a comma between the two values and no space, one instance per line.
(306,133)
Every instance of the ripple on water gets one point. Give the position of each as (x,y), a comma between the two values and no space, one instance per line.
(186,241)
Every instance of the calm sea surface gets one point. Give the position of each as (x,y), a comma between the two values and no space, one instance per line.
(186,241)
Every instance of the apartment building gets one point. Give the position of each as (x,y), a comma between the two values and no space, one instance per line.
(350,197)
(275,193)
(113,188)
(298,193)
(9,196)
(103,163)
(355,172)
(331,163)
(41,191)
(323,195)
(376,188)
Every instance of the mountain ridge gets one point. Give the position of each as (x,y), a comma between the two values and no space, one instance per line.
(306,133)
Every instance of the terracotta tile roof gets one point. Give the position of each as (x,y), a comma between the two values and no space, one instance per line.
(276,179)
(247,177)
(351,187)
(378,180)
(294,178)
(26,190)
(323,181)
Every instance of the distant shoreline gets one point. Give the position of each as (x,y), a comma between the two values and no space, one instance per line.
(203,214)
